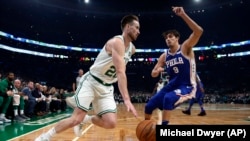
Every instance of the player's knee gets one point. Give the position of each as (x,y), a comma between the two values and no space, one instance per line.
(110,124)
(168,102)
(149,108)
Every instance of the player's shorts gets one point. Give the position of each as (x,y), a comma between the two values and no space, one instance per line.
(92,91)
(169,97)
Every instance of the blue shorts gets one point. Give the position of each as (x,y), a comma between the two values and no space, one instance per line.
(168,98)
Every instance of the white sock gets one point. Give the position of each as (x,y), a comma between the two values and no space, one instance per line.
(15,112)
(87,119)
(52,131)
(21,112)
(2,115)
(159,114)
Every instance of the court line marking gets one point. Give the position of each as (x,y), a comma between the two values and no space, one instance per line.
(83,132)
(31,132)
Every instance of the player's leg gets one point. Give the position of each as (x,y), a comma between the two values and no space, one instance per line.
(203,112)
(188,110)
(104,106)
(200,96)
(169,100)
(106,110)
(159,116)
(80,102)
(173,99)
(75,119)
(154,103)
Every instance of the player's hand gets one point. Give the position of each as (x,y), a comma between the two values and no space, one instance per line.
(130,107)
(178,10)
(10,93)
(160,69)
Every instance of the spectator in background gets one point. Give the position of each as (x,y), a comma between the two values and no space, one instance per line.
(40,108)
(55,103)
(62,97)
(47,97)
(30,103)
(76,83)
(18,102)
(6,94)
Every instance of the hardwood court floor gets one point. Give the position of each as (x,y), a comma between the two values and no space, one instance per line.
(217,114)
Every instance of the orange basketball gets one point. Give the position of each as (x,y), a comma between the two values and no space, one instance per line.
(146,130)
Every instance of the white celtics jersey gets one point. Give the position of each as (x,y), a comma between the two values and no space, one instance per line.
(103,67)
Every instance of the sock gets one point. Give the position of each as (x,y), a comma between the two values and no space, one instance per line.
(21,112)
(52,132)
(2,115)
(164,122)
(87,119)
(15,112)
(202,109)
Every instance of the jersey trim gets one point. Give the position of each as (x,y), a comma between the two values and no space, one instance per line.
(99,80)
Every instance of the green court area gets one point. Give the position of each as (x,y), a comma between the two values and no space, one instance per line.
(9,131)
(12,130)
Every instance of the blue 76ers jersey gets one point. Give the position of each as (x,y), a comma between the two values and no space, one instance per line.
(181,70)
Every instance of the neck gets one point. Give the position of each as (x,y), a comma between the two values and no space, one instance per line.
(126,39)
(173,49)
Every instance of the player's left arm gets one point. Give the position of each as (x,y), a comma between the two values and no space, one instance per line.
(197,31)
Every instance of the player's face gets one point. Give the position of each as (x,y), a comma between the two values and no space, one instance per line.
(171,40)
(134,30)
(11,76)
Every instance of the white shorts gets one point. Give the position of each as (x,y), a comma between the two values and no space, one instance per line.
(91,91)
(16,99)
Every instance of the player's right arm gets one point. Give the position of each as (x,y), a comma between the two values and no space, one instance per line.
(159,66)
(117,48)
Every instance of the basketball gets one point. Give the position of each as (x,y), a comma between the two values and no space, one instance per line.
(146,130)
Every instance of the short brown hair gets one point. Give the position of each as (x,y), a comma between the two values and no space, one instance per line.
(128,19)
(172,31)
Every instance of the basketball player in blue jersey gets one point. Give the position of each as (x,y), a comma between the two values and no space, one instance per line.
(96,85)
(198,97)
(179,63)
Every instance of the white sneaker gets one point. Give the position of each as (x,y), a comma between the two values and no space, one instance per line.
(78,130)
(5,120)
(43,137)
(1,122)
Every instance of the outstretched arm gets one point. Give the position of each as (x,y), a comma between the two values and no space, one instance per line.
(197,30)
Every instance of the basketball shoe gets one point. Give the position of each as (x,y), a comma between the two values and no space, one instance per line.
(187,112)
(202,113)
(43,137)
(79,128)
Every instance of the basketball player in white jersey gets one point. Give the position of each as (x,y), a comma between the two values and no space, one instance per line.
(96,85)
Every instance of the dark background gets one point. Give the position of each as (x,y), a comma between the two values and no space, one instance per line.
(75,23)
